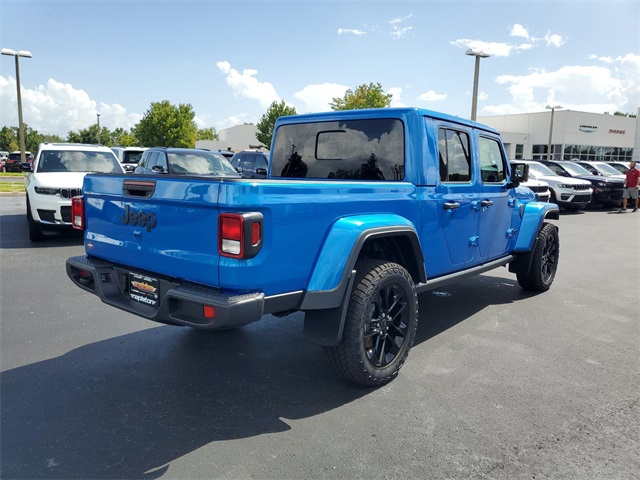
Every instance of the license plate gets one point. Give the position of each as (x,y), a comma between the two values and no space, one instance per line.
(143,289)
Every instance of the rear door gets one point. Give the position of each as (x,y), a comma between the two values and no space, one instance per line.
(456,197)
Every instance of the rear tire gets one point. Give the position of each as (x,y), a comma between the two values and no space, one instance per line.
(544,261)
(35,233)
(380,325)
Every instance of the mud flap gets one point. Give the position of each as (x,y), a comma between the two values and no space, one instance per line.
(324,327)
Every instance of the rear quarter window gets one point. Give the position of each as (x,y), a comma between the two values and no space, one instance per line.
(370,149)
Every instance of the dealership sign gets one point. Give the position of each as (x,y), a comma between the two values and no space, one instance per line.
(588,128)
(619,132)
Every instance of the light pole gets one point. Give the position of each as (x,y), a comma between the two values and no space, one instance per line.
(474,103)
(16,54)
(553,110)
(98,128)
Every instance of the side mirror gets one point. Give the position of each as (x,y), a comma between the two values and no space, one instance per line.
(261,171)
(129,168)
(158,169)
(26,167)
(519,174)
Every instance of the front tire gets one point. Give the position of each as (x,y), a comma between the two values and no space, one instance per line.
(544,261)
(35,233)
(380,325)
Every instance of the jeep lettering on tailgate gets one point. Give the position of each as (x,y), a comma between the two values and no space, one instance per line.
(141,219)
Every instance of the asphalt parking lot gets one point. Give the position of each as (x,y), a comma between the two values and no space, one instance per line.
(499,384)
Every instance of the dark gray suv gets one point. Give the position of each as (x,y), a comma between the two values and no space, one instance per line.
(184,161)
(251,163)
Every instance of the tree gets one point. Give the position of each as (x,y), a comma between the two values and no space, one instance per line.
(9,139)
(365,96)
(268,121)
(165,125)
(90,135)
(207,134)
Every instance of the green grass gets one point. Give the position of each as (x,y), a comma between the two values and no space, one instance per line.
(10,187)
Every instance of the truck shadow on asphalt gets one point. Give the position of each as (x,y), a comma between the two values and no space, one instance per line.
(14,233)
(126,407)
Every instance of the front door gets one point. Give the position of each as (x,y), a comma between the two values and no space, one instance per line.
(495,205)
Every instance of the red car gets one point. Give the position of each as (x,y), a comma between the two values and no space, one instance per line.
(12,164)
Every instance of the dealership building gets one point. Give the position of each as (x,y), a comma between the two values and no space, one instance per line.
(573,135)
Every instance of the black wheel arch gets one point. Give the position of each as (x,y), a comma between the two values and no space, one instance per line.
(325,311)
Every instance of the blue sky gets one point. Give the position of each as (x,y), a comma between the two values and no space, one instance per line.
(231,59)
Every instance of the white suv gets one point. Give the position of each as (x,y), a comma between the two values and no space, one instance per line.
(567,192)
(55,177)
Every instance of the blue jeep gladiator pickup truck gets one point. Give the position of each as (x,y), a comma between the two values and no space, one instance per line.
(361,211)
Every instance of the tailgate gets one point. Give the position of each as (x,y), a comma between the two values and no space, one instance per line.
(163,225)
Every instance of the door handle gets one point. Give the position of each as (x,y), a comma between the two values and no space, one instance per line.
(486,203)
(451,205)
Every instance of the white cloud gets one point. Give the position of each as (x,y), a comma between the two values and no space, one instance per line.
(524,46)
(57,108)
(432,96)
(495,49)
(396,94)
(400,20)
(554,40)
(398,33)
(577,87)
(353,31)
(519,31)
(504,49)
(601,59)
(246,85)
(318,97)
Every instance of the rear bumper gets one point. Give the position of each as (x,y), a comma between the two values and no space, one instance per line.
(178,303)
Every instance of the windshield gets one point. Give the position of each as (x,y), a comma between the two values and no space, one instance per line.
(619,167)
(78,161)
(537,170)
(575,169)
(607,169)
(132,156)
(200,163)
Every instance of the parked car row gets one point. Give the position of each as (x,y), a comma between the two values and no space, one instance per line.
(13,160)
(57,173)
(578,185)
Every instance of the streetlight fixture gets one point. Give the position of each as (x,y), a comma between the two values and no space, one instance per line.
(553,109)
(98,128)
(474,103)
(16,54)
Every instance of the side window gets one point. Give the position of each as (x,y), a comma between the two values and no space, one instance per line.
(454,156)
(555,168)
(152,160)
(162,161)
(261,162)
(236,161)
(145,159)
(247,163)
(492,165)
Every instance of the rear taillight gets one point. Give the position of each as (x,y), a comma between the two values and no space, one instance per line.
(77,213)
(240,234)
